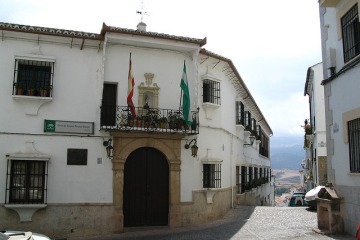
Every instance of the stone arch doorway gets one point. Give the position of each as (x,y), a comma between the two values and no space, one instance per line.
(146,188)
(126,143)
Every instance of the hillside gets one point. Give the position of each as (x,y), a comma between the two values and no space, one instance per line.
(287,153)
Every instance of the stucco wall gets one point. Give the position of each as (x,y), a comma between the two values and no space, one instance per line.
(351,207)
(340,99)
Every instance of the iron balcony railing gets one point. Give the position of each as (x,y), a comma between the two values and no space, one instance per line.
(147,119)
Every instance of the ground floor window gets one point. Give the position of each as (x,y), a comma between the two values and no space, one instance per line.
(212,176)
(26,182)
(354,143)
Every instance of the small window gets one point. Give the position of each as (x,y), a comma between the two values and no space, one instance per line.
(241,179)
(253,125)
(264,144)
(258,132)
(211,91)
(354,143)
(351,33)
(212,176)
(240,113)
(256,176)
(77,156)
(27,182)
(248,121)
(250,182)
(33,78)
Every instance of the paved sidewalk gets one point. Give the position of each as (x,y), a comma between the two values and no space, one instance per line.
(243,223)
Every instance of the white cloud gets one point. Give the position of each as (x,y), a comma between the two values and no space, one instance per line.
(287,114)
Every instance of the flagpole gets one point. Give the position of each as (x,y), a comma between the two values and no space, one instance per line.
(186,97)
(131,90)
(128,77)
(181,93)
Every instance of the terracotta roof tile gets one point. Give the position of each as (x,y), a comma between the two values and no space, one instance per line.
(48,31)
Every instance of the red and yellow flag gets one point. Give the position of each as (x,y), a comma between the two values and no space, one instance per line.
(130,92)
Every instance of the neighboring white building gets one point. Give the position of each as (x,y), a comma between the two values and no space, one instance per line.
(64,104)
(315,139)
(340,31)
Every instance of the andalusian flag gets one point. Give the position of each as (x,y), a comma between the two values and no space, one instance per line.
(186,97)
(130,92)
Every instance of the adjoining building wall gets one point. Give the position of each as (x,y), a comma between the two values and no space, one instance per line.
(341,106)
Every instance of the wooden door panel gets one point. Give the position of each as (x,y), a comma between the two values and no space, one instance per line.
(146,188)
(108,105)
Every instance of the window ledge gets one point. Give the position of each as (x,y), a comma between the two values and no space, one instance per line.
(240,126)
(209,109)
(25,211)
(354,174)
(32,104)
(209,194)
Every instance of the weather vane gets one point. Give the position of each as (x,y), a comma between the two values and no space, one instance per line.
(142,12)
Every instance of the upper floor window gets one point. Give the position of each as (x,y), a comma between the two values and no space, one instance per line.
(27,182)
(264,144)
(33,77)
(354,141)
(253,125)
(240,113)
(212,176)
(258,132)
(248,121)
(211,91)
(351,33)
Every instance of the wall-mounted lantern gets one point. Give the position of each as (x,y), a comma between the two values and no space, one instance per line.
(109,148)
(194,148)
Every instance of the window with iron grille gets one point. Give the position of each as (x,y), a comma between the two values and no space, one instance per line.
(238,179)
(258,132)
(256,173)
(354,145)
(253,125)
(211,91)
(212,176)
(240,113)
(244,178)
(33,78)
(248,121)
(351,33)
(27,182)
(241,179)
(251,177)
(264,144)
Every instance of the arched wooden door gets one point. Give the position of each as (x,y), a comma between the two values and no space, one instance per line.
(146,188)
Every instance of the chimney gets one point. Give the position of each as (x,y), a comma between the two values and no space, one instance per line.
(141,27)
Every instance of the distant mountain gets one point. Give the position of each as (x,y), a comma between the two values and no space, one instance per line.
(287,152)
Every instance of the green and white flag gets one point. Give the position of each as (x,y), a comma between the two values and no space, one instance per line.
(185,98)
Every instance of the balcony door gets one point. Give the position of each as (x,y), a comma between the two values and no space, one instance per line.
(108,105)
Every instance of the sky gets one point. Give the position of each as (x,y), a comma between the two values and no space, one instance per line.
(271,43)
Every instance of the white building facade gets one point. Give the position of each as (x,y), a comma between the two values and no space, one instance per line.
(315,164)
(340,48)
(64,103)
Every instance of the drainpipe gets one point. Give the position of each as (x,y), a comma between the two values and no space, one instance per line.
(231,171)
(102,80)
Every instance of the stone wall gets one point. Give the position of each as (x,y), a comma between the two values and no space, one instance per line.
(63,221)
(207,206)
(255,197)
(75,220)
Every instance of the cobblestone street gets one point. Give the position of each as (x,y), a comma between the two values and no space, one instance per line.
(243,222)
